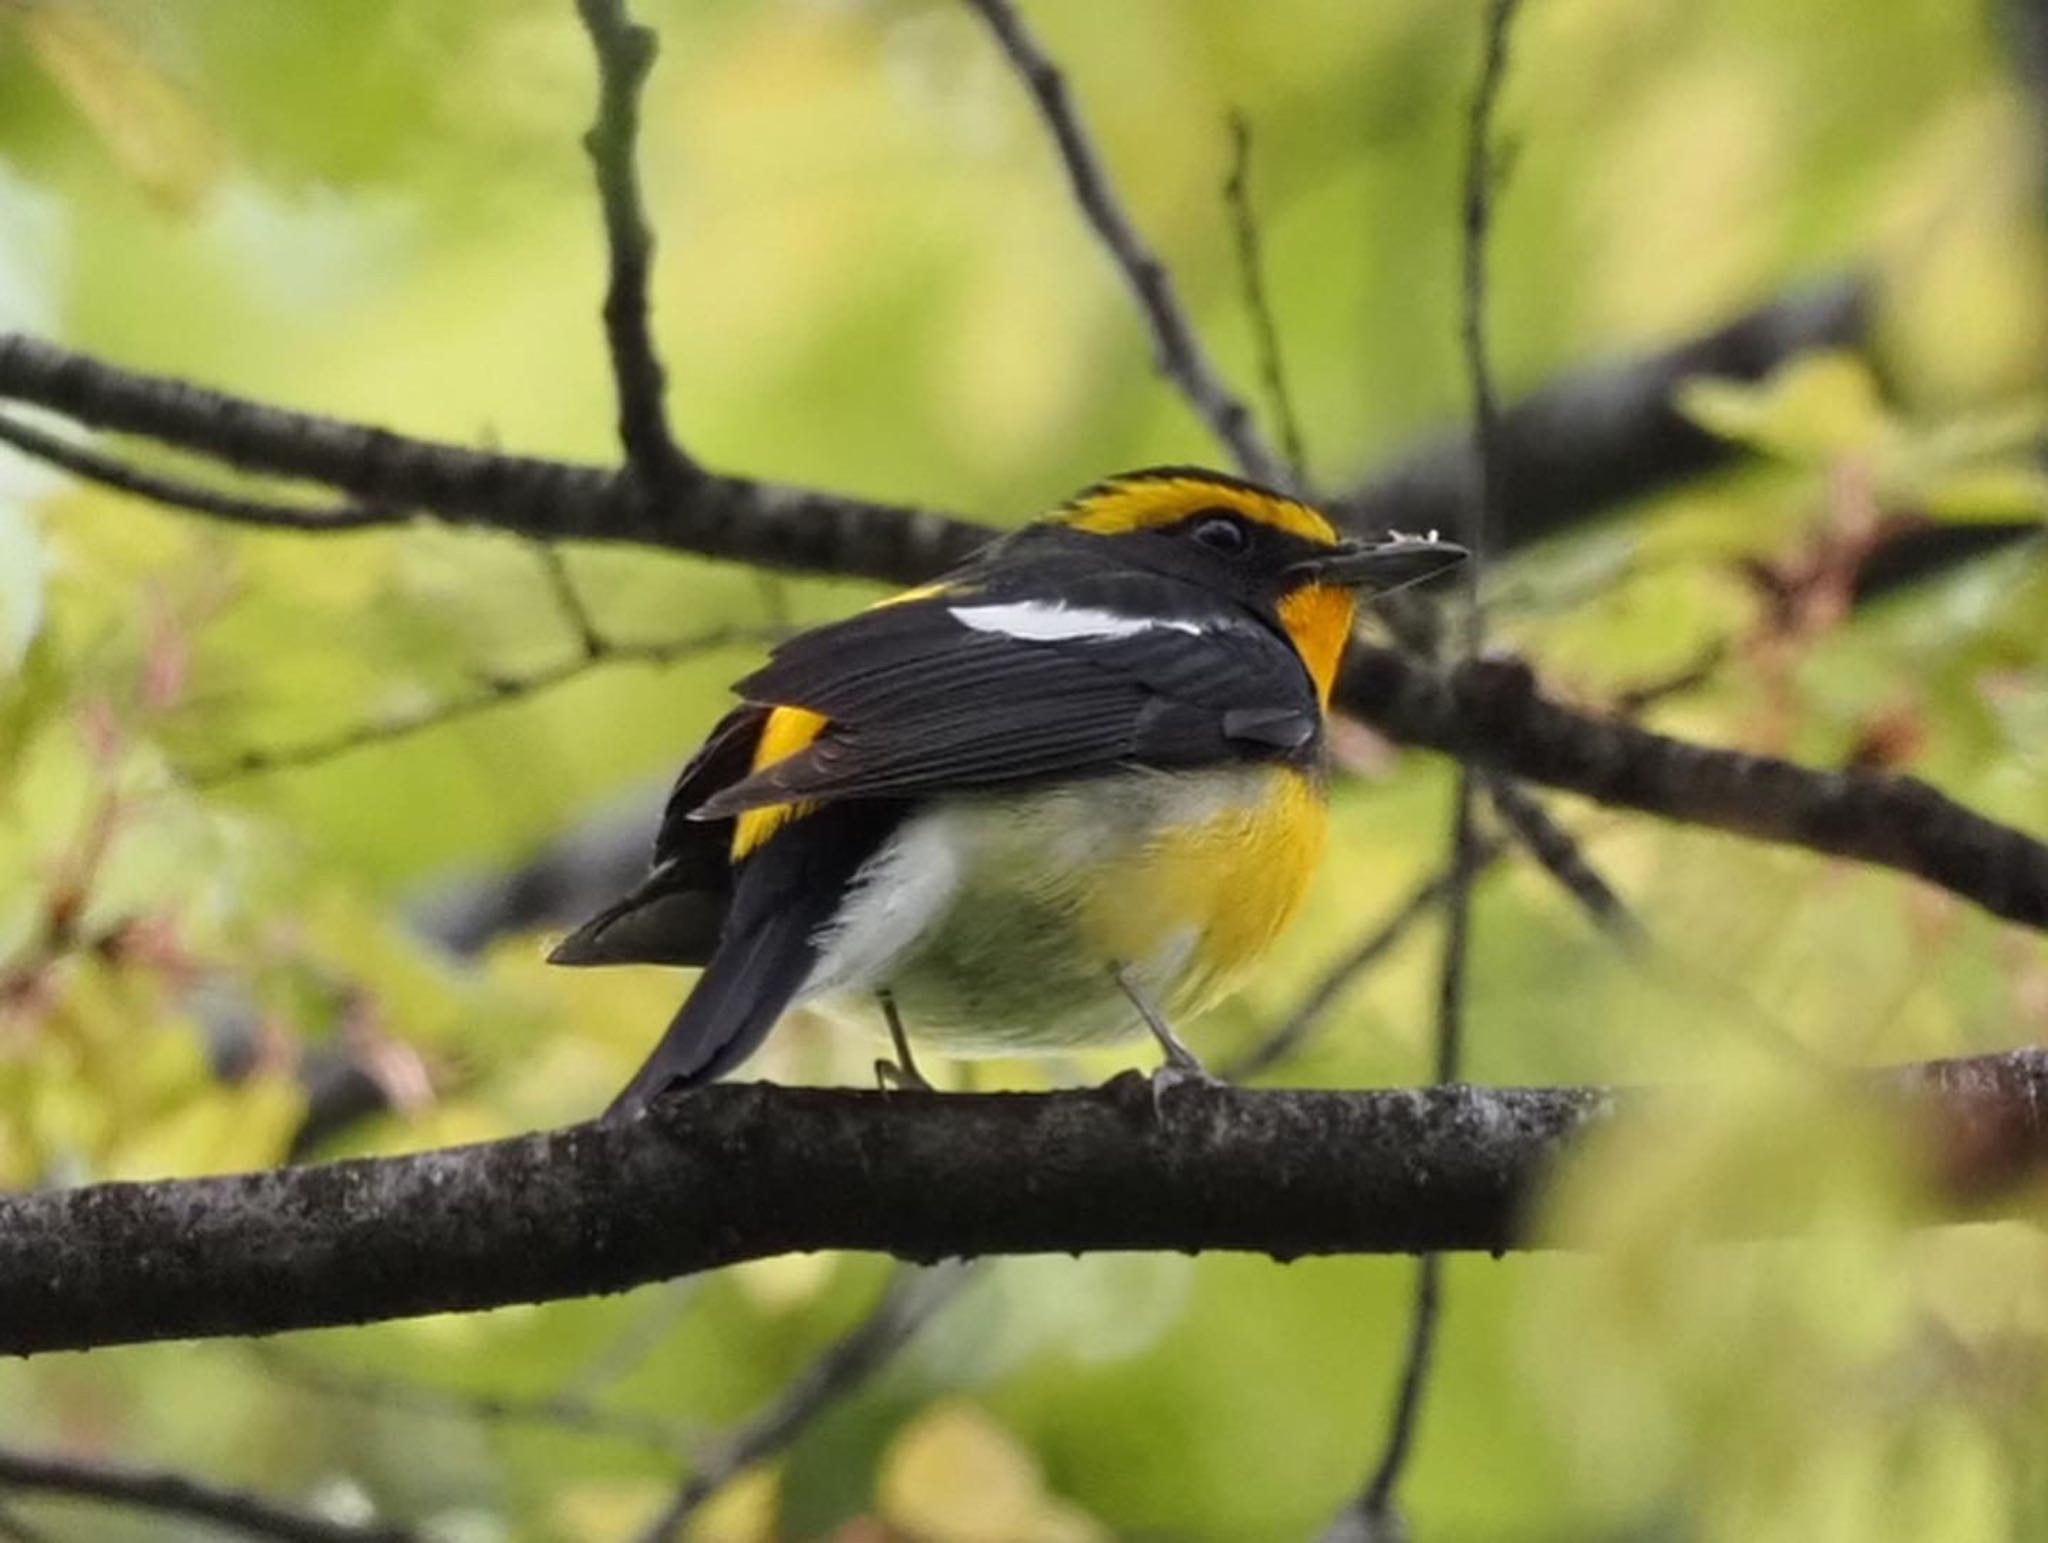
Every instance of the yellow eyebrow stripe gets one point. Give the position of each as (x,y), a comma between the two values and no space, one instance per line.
(1146,503)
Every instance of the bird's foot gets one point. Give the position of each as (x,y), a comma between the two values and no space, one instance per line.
(1173,1075)
(902,1073)
(1182,1067)
(900,1077)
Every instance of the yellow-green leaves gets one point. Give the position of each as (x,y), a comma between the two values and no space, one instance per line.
(151,126)
(1825,410)
(21,585)
(955,1473)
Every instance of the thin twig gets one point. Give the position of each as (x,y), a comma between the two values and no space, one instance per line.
(1258,303)
(1478,189)
(1634,701)
(1375,1514)
(1562,857)
(912,1299)
(559,1411)
(492,691)
(1178,350)
(183,493)
(569,600)
(628,1351)
(167,1492)
(625,53)
(1286,1040)
(1464,868)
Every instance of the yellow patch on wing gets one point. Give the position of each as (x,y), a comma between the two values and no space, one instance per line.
(1234,878)
(1126,504)
(906,596)
(1319,618)
(787,731)
(790,729)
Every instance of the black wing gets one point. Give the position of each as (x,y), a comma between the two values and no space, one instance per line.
(1074,670)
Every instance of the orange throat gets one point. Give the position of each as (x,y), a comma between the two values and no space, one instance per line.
(1319,618)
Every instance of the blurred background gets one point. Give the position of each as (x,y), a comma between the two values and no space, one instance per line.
(871,279)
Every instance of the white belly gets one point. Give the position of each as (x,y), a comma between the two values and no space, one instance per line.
(994,920)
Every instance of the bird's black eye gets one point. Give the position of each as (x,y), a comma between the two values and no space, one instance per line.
(1224,533)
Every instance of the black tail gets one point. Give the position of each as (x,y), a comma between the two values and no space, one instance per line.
(786,894)
(674,917)
(746,988)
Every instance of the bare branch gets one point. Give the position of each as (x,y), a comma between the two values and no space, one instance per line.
(1294,1030)
(745,1171)
(491,691)
(1586,441)
(625,53)
(181,493)
(768,524)
(912,1299)
(1491,711)
(1374,1518)
(560,1411)
(1562,858)
(168,1493)
(1258,304)
(569,600)
(1177,349)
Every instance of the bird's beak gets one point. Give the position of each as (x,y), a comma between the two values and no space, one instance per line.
(1394,563)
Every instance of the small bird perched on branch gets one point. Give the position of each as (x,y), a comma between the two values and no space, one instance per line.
(1064,795)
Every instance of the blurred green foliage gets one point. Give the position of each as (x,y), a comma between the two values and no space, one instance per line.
(870,278)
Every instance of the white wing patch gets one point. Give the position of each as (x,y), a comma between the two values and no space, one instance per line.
(1034,621)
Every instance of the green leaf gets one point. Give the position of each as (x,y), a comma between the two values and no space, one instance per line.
(22,569)
(1814,409)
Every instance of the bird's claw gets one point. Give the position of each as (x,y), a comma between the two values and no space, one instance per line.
(900,1077)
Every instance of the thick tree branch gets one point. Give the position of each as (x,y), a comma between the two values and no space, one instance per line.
(745,1171)
(1181,357)
(625,53)
(768,524)
(167,1493)
(1492,712)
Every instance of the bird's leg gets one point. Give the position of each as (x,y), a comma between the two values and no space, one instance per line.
(1182,1064)
(901,1072)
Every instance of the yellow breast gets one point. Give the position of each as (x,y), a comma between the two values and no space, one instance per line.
(1228,880)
